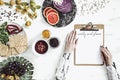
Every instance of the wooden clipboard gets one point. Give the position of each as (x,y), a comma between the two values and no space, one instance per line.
(80,26)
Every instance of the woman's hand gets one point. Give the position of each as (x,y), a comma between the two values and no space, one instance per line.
(71,42)
(106,55)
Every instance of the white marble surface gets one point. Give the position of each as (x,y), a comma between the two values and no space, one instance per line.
(45,65)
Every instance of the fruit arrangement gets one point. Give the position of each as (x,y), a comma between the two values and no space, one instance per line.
(51,15)
(16,68)
(53,41)
(42,46)
(59,14)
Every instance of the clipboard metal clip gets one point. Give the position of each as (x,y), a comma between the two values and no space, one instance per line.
(89,27)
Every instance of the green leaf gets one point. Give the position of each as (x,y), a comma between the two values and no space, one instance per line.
(38,7)
(33,9)
(30,15)
(30,72)
(8,4)
(1,64)
(32,4)
(17,58)
(24,4)
(3,33)
(18,7)
(32,1)
(12,58)
(4,25)
(21,59)
(5,61)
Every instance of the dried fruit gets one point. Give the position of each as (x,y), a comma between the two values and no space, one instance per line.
(18,2)
(12,2)
(17,10)
(26,8)
(52,18)
(19,7)
(1,2)
(23,7)
(30,15)
(28,23)
(23,11)
(35,15)
(24,4)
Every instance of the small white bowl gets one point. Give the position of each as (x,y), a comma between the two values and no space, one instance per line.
(33,47)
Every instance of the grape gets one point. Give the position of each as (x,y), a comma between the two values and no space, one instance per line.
(22,71)
(10,63)
(14,67)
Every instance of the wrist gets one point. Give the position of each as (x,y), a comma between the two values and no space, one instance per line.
(109,63)
(67,51)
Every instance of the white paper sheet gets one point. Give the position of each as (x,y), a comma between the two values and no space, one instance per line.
(88,48)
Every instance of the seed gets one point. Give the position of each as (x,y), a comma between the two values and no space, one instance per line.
(91,6)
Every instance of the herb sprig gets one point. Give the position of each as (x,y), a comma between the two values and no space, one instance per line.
(4,36)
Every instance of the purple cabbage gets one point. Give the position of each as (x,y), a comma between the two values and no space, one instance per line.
(64,7)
